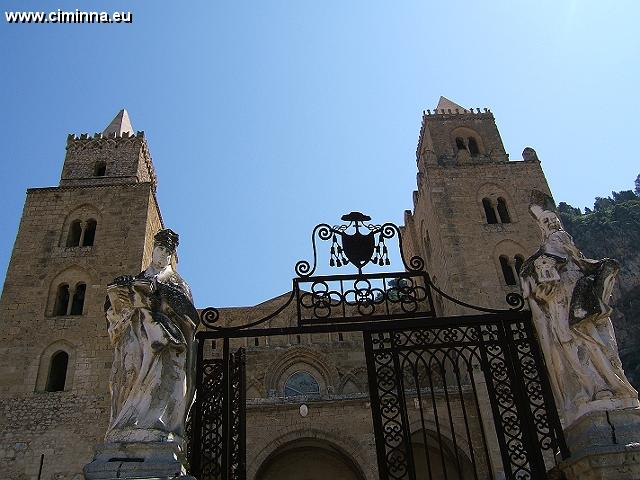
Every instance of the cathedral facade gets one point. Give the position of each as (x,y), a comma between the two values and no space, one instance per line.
(308,407)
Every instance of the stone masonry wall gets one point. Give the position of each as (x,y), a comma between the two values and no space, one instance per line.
(64,426)
(448,226)
(127,160)
(440,130)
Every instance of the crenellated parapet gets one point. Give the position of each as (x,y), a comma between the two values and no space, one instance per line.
(456,111)
(116,155)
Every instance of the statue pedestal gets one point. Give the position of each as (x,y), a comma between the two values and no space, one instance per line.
(137,460)
(604,446)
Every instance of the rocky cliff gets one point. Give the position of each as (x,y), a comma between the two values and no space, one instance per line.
(612,229)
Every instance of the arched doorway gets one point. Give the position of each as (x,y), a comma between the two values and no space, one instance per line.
(309,459)
(432,458)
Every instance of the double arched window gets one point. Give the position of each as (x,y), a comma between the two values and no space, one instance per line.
(469,144)
(496,212)
(511,268)
(69,301)
(467,139)
(81,233)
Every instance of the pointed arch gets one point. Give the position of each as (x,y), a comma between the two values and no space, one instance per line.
(352,383)
(80,221)
(466,139)
(68,292)
(301,358)
(509,256)
(343,443)
(495,205)
(56,367)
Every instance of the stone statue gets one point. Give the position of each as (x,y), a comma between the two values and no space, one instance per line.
(569,296)
(151,323)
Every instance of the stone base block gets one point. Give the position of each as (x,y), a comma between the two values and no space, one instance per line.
(616,462)
(604,445)
(150,460)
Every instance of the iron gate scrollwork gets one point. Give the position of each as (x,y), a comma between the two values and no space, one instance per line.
(218,449)
(478,364)
(462,387)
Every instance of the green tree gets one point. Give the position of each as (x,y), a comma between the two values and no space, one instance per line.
(567,209)
(624,196)
(602,203)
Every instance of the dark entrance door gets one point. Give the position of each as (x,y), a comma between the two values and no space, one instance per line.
(451,397)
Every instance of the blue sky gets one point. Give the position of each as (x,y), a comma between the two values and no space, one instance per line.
(266,117)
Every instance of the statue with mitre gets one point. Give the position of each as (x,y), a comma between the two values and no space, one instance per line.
(151,323)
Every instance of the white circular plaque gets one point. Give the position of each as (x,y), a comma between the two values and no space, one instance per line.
(304,410)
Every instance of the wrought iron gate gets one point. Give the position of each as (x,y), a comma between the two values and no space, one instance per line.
(496,354)
(478,383)
(219,440)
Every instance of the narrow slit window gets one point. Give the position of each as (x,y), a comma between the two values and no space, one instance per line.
(489,212)
(256,342)
(75,232)
(62,300)
(57,372)
(77,304)
(503,212)
(89,233)
(340,337)
(507,271)
(427,245)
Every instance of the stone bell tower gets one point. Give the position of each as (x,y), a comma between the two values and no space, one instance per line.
(55,356)
(470,219)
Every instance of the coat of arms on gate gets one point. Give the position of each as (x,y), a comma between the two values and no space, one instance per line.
(358,243)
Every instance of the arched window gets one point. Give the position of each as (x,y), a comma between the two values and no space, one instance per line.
(473,146)
(100,169)
(89,233)
(75,232)
(502,211)
(62,300)
(57,372)
(489,212)
(507,271)
(301,383)
(460,143)
(77,304)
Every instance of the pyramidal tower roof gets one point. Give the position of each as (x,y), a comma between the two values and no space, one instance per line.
(445,104)
(119,125)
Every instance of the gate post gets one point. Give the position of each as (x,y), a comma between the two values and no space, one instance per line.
(196,430)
